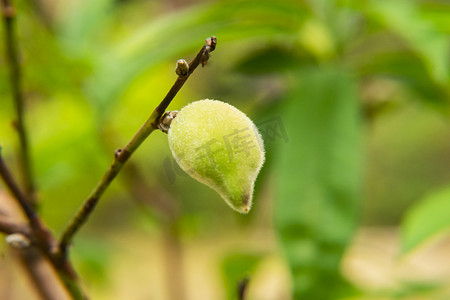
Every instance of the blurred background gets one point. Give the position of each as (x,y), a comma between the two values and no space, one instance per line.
(352,100)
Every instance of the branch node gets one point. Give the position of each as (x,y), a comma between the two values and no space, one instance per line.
(166,120)
(18,241)
(182,68)
(210,46)
(117,153)
(211,43)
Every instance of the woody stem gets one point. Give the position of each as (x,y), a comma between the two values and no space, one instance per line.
(122,155)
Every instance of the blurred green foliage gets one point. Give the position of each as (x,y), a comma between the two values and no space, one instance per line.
(237,267)
(318,180)
(427,218)
(327,72)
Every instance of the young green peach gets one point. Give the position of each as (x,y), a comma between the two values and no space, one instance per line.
(218,145)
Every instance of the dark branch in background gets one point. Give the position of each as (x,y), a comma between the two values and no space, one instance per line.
(13,187)
(18,99)
(42,278)
(242,288)
(122,155)
(42,235)
(39,235)
(41,244)
(19,238)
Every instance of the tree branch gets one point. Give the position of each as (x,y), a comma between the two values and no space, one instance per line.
(42,234)
(39,234)
(34,263)
(11,50)
(44,243)
(122,155)
(41,275)
(9,226)
(13,187)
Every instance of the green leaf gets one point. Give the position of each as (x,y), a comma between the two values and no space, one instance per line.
(402,65)
(81,25)
(318,178)
(404,19)
(426,219)
(437,13)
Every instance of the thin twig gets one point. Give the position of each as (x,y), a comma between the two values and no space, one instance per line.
(18,99)
(122,155)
